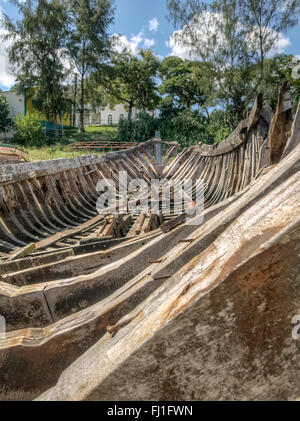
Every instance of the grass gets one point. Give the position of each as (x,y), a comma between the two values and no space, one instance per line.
(55,152)
(61,148)
(101,129)
(92,133)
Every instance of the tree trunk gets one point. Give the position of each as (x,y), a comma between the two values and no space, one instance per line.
(75,101)
(207,113)
(82,106)
(130,111)
(262,60)
(55,123)
(239,108)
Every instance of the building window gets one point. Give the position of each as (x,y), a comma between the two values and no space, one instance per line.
(110,120)
(121,117)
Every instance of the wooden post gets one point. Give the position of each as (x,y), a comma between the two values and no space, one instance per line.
(158,149)
(158,153)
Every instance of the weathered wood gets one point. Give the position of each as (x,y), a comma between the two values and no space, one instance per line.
(209,303)
(281,125)
(23,252)
(103,298)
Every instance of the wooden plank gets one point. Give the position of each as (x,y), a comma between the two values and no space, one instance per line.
(23,252)
(67,233)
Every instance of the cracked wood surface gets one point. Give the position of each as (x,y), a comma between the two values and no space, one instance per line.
(111,307)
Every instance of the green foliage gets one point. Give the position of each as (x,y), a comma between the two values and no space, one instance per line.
(263,21)
(29,130)
(139,130)
(212,32)
(88,39)
(129,80)
(222,123)
(4,112)
(37,52)
(230,41)
(185,82)
(282,67)
(185,126)
(88,42)
(235,37)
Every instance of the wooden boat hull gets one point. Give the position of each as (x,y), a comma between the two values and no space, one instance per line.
(11,154)
(116,307)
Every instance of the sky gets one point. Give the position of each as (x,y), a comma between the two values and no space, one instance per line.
(142,23)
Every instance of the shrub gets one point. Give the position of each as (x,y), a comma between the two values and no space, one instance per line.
(29,130)
(139,130)
(125,131)
(222,123)
(4,112)
(187,127)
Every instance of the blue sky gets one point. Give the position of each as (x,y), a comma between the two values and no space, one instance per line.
(134,16)
(142,23)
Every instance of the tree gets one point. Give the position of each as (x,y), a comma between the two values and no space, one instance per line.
(278,69)
(4,112)
(129,80)
(212,33)
(37,53)
(186,82)
(264,20)
(88,42)
(235,36)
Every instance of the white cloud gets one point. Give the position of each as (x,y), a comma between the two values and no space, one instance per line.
(206,29)
(133,43)
(177,48)
(153,25)
(149,43)
(6,77)
(281,44)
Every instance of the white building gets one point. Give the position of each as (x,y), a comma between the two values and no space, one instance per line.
(104,115)
(108,116)
(114,116)
(16,103)
(19,104)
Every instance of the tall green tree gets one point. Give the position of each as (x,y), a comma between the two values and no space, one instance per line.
(4,113)
(186,82)
(130,80)
(235,36)
(88,42)
(264,20)
(37,52)
(212,33)
(278,69)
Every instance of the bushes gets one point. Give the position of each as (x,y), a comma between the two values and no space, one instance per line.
(4,112)
(29,130)
(222,123)
(184,126)
(187,127)
(139,130)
